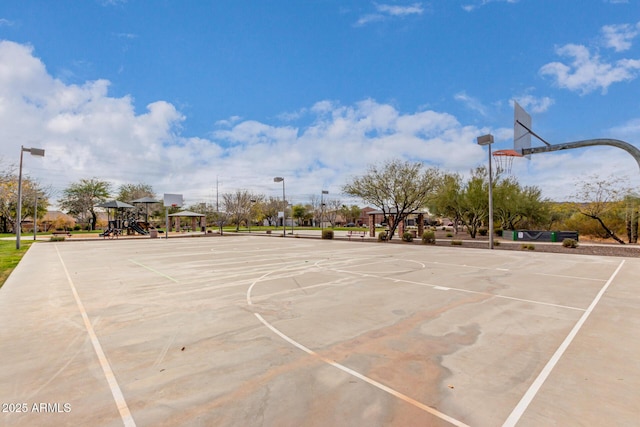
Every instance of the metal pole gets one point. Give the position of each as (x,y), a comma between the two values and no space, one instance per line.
(321,209)
(284,212)
(35,219)
(19,207)
(490,202)
(166,216)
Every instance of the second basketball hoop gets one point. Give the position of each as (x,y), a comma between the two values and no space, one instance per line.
(504,160)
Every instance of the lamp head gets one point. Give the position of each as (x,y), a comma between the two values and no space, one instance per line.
(485,139)
(34,151)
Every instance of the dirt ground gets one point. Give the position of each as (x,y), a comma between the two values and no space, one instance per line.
(586,246)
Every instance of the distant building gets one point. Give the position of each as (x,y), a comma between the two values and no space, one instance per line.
(53,220)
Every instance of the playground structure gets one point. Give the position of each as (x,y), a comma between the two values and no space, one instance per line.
(123,220)
(130,224)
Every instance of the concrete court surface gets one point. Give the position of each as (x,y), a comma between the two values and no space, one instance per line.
(266,331)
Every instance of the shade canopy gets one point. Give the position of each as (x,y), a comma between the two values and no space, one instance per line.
(114,204)
(187,213)
(146,200)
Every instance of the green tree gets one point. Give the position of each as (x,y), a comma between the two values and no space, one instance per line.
(80,198)
(130,192)
(514,205)
(632,216)
(9,199)
(300,213)
(331,210)
(559,213)
(350,213)
(600,197)
(447,201)
(475,201)
(270,208)
(238,206)
(396,187)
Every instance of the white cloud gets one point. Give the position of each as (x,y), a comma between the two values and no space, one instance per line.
(387,11)
(473,6)
(395,10)
(534,104)
(629,131)
(619,37)
(587,72)
(88,133)
(471,102)
(5,22)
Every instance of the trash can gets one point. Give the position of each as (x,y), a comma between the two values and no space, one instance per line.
(153,233)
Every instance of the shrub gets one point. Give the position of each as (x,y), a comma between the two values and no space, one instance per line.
(483,231)
(407,236)
(382,236)
(570,243)
(76,228)
(498,231)
(449,234)
(456,242)
(57,239)
(429,238)
(528,246)
(496,243)
(327,234)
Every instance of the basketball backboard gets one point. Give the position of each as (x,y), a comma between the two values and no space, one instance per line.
(172,200)
(521,129)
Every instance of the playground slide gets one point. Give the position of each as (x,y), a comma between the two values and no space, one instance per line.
(136,227)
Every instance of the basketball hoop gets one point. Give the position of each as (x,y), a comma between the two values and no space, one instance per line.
(504,160)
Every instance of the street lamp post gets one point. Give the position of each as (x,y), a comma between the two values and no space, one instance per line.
(35,218)
(34,152)
(322,208)
(284,206)
(488,140)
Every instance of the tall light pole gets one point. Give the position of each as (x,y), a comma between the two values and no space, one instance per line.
(34,152)
(322,208)
(284,206)
(35,218)
(488,140)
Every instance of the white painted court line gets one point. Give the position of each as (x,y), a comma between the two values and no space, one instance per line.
(154,270)
(447,288)
(349,371)
(125,414)
(518,411)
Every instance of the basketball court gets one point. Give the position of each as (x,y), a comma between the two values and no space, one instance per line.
(258,330)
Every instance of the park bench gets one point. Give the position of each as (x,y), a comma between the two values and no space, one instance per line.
(361,234)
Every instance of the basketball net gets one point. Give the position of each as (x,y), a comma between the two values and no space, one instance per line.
(504,160)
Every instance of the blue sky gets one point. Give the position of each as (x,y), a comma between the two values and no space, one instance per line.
(175,94)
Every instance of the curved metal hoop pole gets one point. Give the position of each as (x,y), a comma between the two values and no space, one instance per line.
(634,151)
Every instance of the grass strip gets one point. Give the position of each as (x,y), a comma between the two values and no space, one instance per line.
(10,257)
